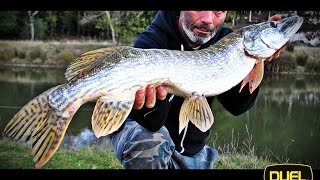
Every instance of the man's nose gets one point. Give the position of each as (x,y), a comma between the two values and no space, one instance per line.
(207,17)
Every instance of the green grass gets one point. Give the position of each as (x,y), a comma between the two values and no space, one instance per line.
(232,156)
(15,155)
(241,161)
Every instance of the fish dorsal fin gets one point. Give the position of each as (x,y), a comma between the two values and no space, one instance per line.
(196,109)
(109,114)
(84,64)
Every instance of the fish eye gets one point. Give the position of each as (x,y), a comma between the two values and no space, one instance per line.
(273,24)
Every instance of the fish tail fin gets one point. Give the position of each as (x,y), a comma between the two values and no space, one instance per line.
(39,123)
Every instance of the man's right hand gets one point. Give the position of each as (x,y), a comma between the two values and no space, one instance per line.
(149,96)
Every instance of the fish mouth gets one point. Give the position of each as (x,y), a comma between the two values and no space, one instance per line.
(290,25)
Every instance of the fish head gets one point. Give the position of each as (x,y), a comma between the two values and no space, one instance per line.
(264,39)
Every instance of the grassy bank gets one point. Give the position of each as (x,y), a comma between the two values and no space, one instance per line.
(45,54)
(297,58)
(14,155)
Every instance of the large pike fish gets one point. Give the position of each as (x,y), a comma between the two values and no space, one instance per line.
(111,77)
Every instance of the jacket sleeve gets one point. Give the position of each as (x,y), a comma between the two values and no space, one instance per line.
(237,103)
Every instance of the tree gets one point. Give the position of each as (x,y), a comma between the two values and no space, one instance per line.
(113,22)
(51,18)
(113,34)
(88,17)
(9,26)
(31,23)
(232,15)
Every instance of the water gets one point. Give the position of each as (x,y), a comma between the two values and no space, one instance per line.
(284,122)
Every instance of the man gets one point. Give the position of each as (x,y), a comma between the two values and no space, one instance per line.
(149,138)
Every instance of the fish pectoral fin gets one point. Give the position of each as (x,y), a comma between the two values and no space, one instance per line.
(256,76)
(109,115)
(197,110)
(244,83)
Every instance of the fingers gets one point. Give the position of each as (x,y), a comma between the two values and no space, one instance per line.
(161,92)
(258,60)
(268,59)
(275,18)
(140,99)
(149,96)
(276,54)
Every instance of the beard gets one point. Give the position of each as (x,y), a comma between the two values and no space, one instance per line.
(195,38)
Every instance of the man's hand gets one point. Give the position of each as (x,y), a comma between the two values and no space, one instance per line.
(149,96)
(277,53)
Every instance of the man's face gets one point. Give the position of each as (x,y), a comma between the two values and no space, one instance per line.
(201,26)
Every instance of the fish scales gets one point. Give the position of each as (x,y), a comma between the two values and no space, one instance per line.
(190,71)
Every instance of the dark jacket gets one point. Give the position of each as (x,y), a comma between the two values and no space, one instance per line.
(163,33)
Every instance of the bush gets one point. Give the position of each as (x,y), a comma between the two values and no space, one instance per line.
(19,54)
(65,57)
(313,67)
(285,63)
(290,47)
(35,53)
(6,54)
(302,58)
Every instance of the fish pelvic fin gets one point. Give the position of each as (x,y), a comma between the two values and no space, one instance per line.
(109,114)
(256,76)
(38,122)
(196,109)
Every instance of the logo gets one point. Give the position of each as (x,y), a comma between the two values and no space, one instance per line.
(288,172)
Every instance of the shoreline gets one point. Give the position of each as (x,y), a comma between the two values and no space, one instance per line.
(51,66)
(297,58)
(59,66)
